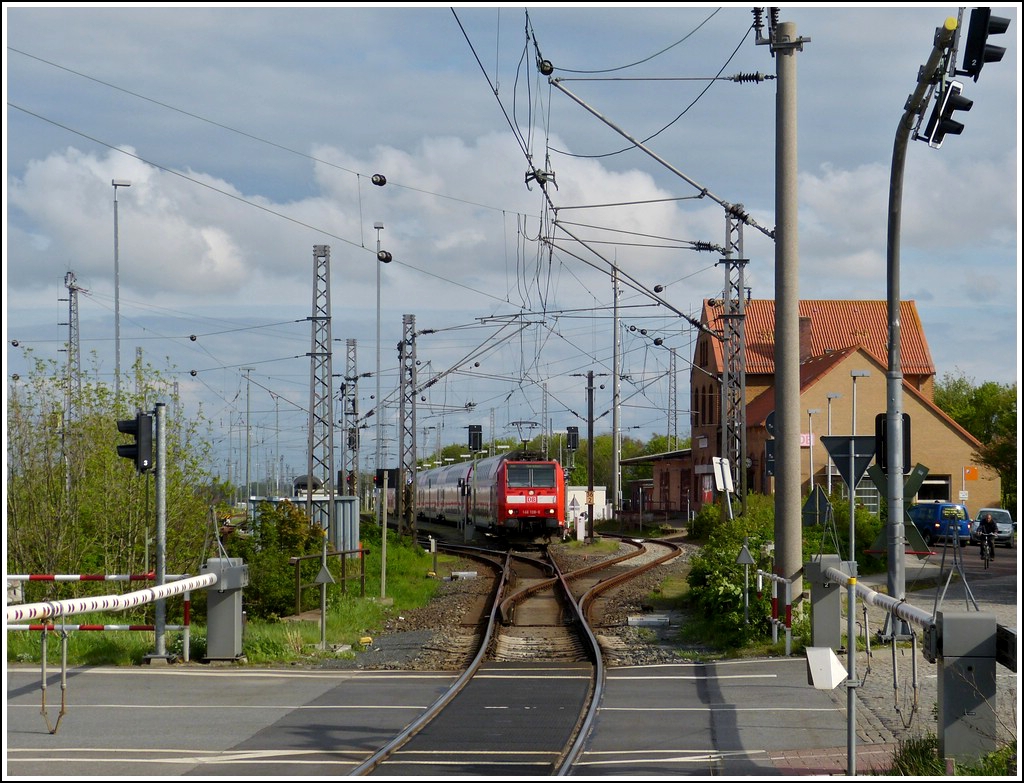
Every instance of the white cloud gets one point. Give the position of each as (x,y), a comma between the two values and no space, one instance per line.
(285,113)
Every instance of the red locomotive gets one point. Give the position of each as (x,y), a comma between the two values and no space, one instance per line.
(512,493)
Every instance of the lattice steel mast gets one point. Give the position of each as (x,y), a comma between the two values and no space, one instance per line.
(350,410)
(320,456)
(734,365)
(404,494)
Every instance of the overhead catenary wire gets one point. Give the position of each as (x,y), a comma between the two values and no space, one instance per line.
(538,280)
(550,206)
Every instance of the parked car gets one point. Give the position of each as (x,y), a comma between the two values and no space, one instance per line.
(1004,523)
(942,522)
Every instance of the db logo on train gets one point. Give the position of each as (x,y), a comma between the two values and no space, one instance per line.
(531,498)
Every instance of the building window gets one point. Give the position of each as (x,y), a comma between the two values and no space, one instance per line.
(867,495)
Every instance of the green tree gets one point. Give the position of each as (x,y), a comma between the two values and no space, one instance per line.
(989,412)
(602,462)
(73,505)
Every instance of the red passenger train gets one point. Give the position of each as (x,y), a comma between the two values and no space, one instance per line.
(513,493)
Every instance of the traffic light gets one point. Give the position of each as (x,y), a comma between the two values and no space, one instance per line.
(941,122)
(476,437)
(977,50)
(141,451)
(572,438)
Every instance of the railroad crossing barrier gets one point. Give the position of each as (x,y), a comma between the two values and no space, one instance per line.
(44,609)
(963,644)
(787,623)
(15,581)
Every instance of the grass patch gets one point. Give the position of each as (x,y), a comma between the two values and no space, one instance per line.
(350,618)
(599,546)
(919,757)
(670,595)
(85,648)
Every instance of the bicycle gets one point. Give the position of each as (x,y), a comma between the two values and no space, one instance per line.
(987,548)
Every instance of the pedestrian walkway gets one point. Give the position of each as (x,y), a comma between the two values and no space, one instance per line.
(868,760)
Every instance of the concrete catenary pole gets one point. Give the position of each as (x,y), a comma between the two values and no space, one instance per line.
(788,559)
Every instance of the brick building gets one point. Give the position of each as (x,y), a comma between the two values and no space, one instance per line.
(843,356)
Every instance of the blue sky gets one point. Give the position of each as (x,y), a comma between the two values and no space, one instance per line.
(250,134)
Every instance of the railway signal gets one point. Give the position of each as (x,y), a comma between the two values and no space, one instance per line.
(573,438)
(476,437)
(141,451)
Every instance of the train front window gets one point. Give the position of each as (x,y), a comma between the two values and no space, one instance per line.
(531,475)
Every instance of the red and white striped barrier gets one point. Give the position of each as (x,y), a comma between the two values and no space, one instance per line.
(776,622)
(107,602)
(52,627)
(151,576)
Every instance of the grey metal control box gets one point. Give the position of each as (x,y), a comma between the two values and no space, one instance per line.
(224,607)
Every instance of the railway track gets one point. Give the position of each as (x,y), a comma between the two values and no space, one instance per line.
(532,669)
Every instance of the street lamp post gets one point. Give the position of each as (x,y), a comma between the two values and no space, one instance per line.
(810,445)
(117,183)
(854,375)
(377,405)
(831,396)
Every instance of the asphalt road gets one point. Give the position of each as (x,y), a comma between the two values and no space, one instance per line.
(723,718)
(241,722)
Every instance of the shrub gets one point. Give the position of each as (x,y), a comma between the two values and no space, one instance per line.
(278,533)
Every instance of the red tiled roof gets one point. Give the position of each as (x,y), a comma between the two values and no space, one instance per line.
(811,371)
(835,325)
(814,369)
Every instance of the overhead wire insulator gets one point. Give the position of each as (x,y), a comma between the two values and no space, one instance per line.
(751,77)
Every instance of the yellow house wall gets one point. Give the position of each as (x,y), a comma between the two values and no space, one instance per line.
(935,443)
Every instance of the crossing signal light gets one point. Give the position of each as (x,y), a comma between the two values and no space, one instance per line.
(141,451)
(977,50)
(941,122)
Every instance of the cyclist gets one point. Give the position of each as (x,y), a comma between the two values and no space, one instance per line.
(987,534)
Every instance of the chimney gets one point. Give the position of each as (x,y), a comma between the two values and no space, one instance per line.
(805,338)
